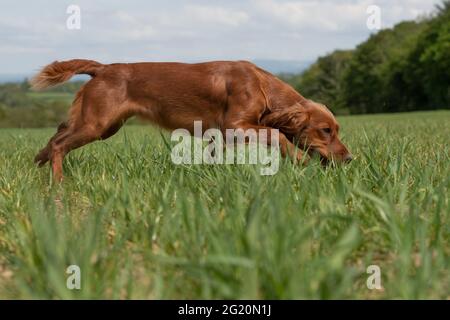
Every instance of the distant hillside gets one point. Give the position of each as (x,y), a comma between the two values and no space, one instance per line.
(4,78)
(21,107)
(283,66)
(20,77)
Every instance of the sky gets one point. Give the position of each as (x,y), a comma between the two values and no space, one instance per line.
(34,33)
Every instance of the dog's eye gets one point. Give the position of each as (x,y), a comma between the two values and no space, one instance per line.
(326,130)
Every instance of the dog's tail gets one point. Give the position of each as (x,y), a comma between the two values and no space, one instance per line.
(59,72)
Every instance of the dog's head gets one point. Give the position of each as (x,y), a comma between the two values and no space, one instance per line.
(311,126)
(321,134)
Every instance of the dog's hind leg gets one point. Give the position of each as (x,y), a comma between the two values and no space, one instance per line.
(75,138)
(112,130)
(44,155)
(99,118)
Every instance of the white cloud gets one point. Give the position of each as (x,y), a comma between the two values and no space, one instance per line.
(15,49)
(188,30)
(133,27)
(314,15)
(335,16)
(216,14)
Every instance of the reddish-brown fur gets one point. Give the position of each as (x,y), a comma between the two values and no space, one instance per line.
(222,94)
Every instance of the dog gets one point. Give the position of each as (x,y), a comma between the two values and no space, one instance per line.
(222,94)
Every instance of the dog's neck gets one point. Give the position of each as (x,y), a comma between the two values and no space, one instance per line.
(282,95)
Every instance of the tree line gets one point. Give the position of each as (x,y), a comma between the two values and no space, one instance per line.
(404,68)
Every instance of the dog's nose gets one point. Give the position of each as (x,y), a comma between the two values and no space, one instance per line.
(348,157)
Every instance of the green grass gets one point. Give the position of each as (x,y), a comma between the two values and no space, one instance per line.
(141,227)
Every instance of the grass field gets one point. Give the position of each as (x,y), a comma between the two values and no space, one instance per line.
(139,226)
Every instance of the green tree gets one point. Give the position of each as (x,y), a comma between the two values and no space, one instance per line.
(322,82)
(370,81)
(403,68)
(427,70)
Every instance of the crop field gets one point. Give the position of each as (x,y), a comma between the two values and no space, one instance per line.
(139,226)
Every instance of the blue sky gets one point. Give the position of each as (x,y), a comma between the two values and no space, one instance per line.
(34,33)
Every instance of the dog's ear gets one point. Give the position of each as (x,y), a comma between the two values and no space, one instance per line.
(289,120)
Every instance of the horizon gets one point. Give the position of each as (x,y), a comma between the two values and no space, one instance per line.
(273,66)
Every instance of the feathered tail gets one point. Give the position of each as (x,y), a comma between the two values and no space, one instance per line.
(59,72)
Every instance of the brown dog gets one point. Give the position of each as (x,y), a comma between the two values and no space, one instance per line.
(222,94)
